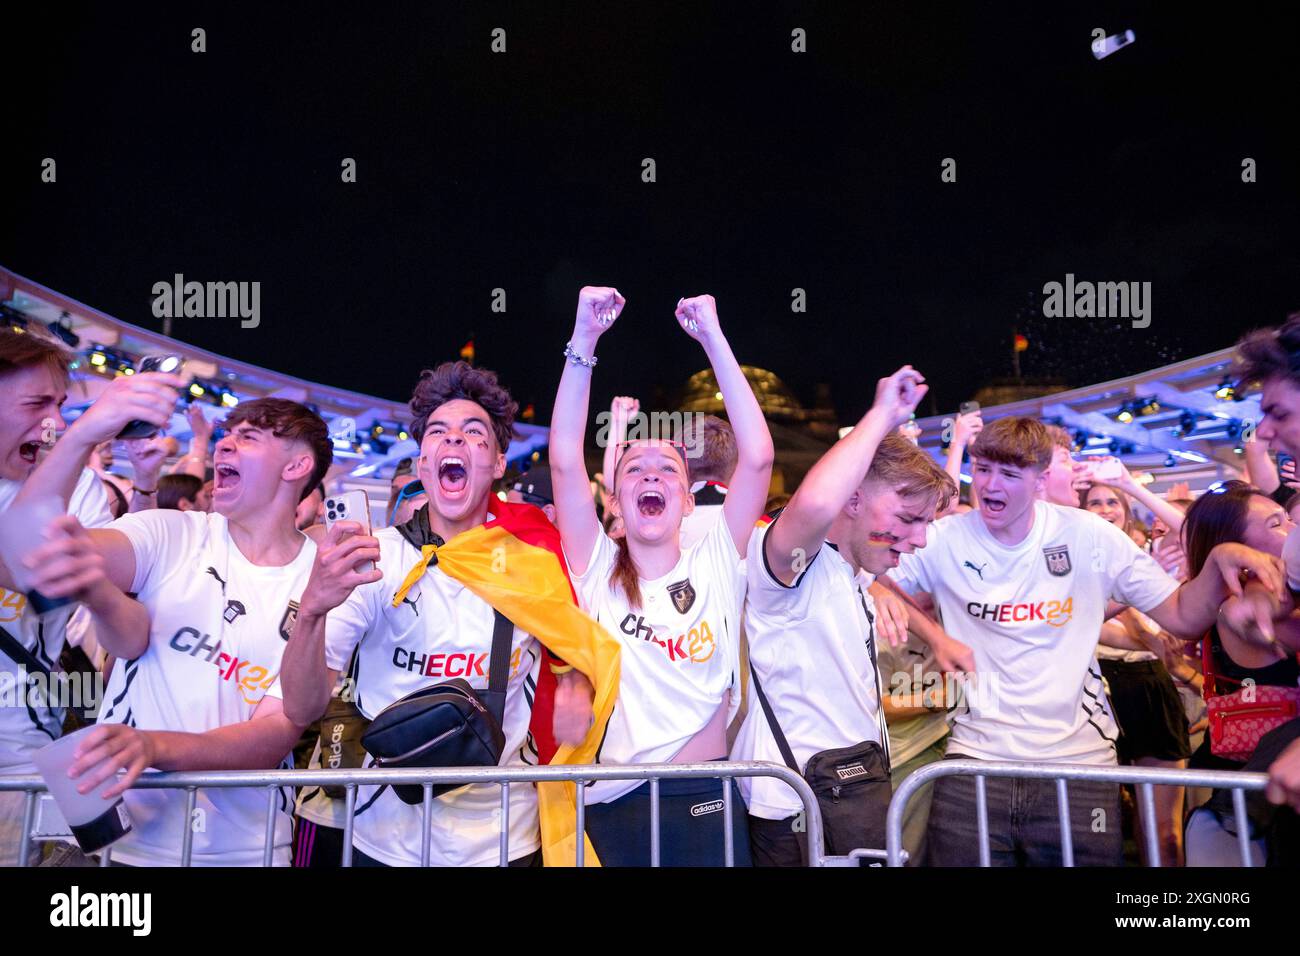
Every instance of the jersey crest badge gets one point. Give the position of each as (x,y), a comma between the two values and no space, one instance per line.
(1058,560)
(683,595)
(233,610)
(289,620)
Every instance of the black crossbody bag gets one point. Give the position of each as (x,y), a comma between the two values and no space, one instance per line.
(852,784)
(447,724)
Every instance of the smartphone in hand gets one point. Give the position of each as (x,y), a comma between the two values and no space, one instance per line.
(150,363)
(350,506)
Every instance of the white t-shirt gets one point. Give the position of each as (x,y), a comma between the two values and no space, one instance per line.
(709,499)
(1032,614)
(811,644)
(219,625)
(25,728)
(681,652)
(440,630)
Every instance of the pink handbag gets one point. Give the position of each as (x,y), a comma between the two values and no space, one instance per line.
(1239,719)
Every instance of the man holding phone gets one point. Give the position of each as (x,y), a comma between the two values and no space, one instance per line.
(196,684)
(412,629)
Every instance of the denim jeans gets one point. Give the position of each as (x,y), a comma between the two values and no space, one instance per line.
(1024,823)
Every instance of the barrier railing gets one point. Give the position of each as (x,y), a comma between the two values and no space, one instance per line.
(1145,778)
(193,781)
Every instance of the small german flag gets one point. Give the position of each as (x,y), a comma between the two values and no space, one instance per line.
(467,351)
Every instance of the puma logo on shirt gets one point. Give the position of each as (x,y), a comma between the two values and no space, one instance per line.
(213,571)
(979,570)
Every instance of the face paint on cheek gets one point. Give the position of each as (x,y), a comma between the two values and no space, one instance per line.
(882,538)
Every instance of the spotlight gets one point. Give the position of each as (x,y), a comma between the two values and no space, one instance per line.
(1169,461)
(62,328)
(197,390)
(229,399)
(1125,414)
(1150,408)
(1225,392)
(98,359)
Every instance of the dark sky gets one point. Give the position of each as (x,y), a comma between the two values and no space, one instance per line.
(775,170)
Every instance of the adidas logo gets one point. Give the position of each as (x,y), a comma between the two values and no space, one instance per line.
(700,809)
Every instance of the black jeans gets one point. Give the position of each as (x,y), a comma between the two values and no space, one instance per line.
(1024,823)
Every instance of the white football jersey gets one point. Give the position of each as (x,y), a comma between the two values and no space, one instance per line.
(26,725)
(440,630)
(811,645)
(680,651)
(1032,614)
(219,625)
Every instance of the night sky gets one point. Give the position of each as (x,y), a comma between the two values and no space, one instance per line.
(775,170)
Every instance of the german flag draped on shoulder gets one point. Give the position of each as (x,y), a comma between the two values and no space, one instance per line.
(514,562)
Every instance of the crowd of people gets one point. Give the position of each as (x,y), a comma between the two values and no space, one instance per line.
(882,617)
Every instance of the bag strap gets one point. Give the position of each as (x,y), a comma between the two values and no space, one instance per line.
(503,635)
(781,743)
(418,533)
(21,655)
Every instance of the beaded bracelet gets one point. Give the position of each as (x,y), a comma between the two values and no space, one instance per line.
(572,355)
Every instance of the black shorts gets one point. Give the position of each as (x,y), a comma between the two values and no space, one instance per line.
(1151,717)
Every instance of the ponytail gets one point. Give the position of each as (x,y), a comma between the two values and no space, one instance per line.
(625,574)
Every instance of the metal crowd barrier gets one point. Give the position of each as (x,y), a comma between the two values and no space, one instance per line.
(270,780)
(1145,778)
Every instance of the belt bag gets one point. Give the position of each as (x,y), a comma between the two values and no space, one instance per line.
(446,725)
(341,730)
(852,785)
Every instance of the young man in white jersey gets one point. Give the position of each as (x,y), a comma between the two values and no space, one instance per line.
(33,388)
(1025,583)
(811,624)
(710,461)
(196,688)
(437,631)
(674,611)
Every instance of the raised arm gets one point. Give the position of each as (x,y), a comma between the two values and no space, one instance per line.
(620,414)
(149,396)
(575,508)
(1260,470)
(747,490)
(1171,515)
(964,429)
(799,532)
(195,461)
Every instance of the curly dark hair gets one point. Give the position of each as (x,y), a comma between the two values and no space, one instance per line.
(452,380)
(1269,353)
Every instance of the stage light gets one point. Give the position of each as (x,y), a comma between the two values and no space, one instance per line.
(197,390)
(98,358)
(402,436)
(1225,392)
(1150,408)
(229,399)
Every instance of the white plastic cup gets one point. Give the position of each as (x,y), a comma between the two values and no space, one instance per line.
(22,531)
(94,821)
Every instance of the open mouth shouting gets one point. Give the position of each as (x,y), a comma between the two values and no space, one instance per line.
(225,477)
(28,450)
(651,503)
(453,476)
(993,506)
